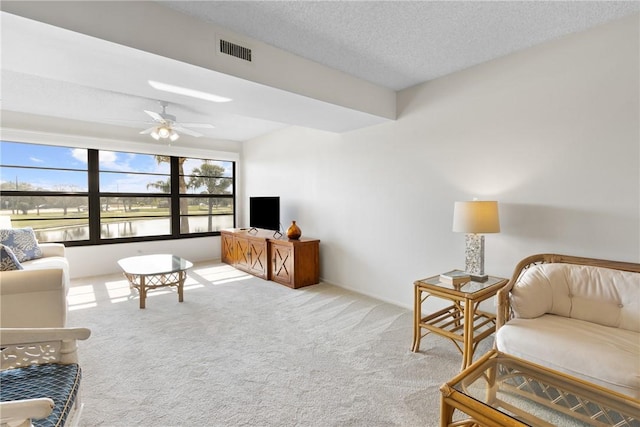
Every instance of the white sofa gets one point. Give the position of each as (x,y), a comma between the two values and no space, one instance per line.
(580,316)
(36,297)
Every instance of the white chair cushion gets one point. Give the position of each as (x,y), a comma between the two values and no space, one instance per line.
(602,355)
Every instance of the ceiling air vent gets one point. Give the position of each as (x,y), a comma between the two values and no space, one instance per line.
(235,50)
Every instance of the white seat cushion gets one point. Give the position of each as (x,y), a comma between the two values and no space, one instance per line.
(602,355)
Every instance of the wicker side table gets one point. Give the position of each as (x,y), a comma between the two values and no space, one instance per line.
(462,322)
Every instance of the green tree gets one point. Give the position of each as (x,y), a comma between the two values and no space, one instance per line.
(163,186)
(19,204)
(182,189)
(210,176)
(64,202)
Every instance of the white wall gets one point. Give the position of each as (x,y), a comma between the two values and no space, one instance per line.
(86,261)
(552,133)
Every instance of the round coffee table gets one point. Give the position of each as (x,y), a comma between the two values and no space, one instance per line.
(155,271)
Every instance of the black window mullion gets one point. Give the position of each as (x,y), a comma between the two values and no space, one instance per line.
(233,186)
(175,197)
(94,196)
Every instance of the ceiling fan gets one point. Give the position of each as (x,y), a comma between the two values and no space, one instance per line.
(167,127)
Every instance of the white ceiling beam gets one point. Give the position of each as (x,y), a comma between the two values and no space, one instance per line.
(150,27)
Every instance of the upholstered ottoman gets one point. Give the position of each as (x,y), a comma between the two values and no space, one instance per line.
(58,382)
(40,376)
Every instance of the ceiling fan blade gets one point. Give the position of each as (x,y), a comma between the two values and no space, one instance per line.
(128,121)
(148,130)
(155,116)
(186,131)
(196,125)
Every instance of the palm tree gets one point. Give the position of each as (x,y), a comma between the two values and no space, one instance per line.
(182,189)
(163,186)
(209,175)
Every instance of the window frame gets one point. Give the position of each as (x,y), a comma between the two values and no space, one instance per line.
(94,196)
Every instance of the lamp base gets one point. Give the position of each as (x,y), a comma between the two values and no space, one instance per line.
(474,257)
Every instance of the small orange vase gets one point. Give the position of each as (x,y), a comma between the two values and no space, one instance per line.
(294,232)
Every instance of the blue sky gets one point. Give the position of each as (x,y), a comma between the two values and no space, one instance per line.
(76,158)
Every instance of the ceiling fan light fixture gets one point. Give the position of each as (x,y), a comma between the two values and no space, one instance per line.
(193,93)
(164,131)
(166,126)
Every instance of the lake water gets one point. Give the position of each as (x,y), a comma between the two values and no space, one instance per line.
(137,228)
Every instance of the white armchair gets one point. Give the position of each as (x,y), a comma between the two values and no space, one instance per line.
(36,297)
(40,376)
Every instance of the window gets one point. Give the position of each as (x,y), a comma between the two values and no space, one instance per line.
(46,188)
(205,190)
(135,195)
(86,196)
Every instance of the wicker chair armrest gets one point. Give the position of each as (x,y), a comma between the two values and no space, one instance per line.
(28,346)
(21,412)
(503,312)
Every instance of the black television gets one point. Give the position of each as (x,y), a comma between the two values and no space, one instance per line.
(264,212)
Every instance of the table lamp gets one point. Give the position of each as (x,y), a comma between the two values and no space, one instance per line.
(475,217)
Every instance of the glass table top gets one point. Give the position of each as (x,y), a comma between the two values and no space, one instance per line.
(468,287)
(536,396)
(146,265)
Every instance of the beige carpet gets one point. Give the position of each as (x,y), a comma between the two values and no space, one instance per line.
(240,351)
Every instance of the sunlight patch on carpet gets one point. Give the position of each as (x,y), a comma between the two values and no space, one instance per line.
(80,297)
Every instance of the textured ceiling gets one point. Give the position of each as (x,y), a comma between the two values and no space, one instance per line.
(392,44)
(398,44)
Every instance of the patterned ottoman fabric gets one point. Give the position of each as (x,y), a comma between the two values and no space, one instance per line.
(55,381)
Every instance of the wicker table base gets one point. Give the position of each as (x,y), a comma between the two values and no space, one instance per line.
(155,271)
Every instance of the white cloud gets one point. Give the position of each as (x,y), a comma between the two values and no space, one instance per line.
(108,157)
(129,183)
(79,154)
(36,160)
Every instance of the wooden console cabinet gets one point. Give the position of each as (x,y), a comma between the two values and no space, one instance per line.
(293,263)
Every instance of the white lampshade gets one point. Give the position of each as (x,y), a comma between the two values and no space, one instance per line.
(476,217)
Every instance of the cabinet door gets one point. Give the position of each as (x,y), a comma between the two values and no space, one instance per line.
(282,263)
(228,249)
(242,254)
(258,258)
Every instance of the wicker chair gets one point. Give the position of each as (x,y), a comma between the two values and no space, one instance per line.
(40,376)
(575,315)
